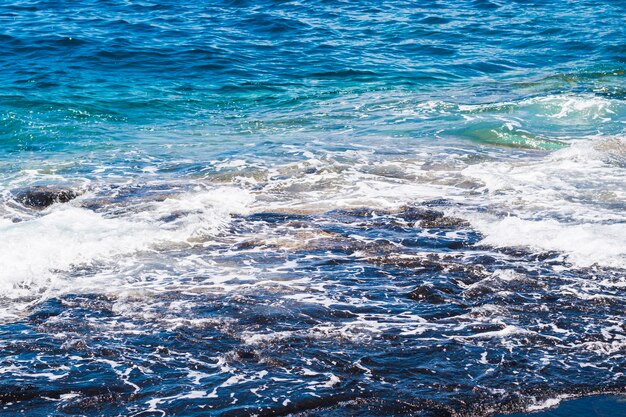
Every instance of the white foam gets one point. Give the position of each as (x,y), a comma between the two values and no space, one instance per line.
(542,405)
(557,108)
(31,251)
(37,254)
(585,244)
(565,202)
(572,108)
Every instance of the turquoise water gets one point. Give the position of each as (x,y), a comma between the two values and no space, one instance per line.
(325,207)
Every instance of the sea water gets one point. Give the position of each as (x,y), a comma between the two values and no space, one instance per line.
(320,207)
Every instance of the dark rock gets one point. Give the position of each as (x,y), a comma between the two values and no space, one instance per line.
(417,263)
(485,327)
(426,293)
(477,291)
(431,219)
(42,197)
(410,213)
(444,223)
(362,212)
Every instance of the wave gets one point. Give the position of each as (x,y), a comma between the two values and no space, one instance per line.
(40,252)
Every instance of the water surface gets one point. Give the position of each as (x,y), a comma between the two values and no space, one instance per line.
(324,208)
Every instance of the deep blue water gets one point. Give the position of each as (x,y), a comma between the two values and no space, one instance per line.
(330,208)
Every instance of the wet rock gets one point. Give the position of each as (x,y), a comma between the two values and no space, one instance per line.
(437,202)
(246,355)
(276,217)
(42,197)
(361,212)
(163,351)
(467,273)
(477,291)
(484,260)
(485,328)
(431,219)
(249,244)
(443,223)
(418,263)
(417,213)
(426,293)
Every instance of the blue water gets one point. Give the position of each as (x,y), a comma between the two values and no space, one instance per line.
(325,208)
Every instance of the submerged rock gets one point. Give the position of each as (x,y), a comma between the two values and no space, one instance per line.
(41,197)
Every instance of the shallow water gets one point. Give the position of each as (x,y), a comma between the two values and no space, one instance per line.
(325,208)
